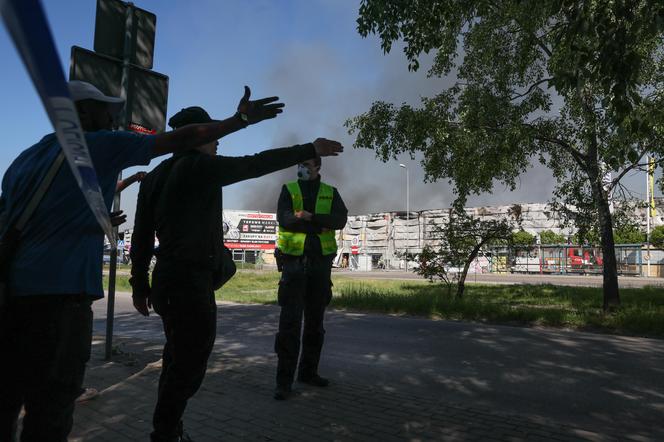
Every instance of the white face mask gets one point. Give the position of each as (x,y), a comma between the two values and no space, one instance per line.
(303,173)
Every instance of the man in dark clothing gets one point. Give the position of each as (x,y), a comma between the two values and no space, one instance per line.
(308,213)
(181,201)
(46,319)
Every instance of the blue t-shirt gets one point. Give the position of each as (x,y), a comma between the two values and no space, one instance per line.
(60,250)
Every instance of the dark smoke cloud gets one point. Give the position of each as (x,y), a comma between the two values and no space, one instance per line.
(320,90)
(319,85)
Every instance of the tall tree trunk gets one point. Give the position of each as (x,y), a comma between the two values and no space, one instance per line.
(461,285)
(593,160)
(610,265)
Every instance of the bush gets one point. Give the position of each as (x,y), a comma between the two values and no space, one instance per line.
(549,237)
(629,235)
(657,237)
(523,238)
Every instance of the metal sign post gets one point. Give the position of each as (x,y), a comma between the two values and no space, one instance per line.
(120,66)
(125,120)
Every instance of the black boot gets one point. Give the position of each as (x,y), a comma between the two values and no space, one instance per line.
(314,380)
(282,392)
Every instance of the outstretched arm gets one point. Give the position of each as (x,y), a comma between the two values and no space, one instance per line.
(123,184)
(195,135)
(142,249)
(228,170)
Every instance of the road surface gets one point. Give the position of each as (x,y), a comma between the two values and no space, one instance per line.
(612,385)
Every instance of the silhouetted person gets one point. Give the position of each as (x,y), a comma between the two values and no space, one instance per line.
(181,201)
(46,322)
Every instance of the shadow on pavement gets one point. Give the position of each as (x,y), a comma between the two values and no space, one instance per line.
(395,378)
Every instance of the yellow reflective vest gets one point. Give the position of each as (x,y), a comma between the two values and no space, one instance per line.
(292,243)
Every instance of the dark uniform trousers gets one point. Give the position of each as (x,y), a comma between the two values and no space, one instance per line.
(45,343)
(184,298)
(305,290)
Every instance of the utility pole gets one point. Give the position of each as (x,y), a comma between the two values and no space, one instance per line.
(650,189)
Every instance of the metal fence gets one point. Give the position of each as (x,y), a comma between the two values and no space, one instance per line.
(632,259)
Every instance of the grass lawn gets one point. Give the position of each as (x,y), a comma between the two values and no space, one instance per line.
(121,283)
(641,313)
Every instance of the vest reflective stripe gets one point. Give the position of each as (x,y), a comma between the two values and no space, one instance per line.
(292,243)
(296,195)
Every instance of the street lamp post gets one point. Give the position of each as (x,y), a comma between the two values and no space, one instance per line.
(407,210)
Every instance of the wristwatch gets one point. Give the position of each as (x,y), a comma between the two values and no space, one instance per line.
(242,117)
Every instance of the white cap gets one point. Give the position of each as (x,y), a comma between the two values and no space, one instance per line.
(82,90)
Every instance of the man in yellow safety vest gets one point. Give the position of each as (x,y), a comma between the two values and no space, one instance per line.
(309,211)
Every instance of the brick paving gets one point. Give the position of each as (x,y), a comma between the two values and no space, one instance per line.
(235,404)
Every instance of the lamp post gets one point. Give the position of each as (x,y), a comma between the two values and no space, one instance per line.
(407,210)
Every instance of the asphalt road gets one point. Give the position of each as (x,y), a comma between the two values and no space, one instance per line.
(517,278)
(604,383)
(573,280)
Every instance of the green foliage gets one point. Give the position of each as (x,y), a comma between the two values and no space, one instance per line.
(523,238)
(657,237)
(251,286)
(590,237)
(121,283)
(514,59)
(549,237)
(627,228)
(458,242)
(642,312)
(610,44)
(629,235)
(600,62)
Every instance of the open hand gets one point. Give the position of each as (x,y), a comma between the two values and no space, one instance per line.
(259,110)
(142,304)
(327,148)
(118,218)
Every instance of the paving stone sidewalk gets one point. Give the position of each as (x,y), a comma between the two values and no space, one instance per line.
(235,404)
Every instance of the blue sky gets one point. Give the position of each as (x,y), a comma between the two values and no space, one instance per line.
(307,52)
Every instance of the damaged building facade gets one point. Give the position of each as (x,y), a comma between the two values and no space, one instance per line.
(380,240)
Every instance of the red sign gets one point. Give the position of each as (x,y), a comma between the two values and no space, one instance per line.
(354,250)
(141,129)
(248,246)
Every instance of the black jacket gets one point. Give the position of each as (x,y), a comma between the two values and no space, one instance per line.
(181,201)
(336,220)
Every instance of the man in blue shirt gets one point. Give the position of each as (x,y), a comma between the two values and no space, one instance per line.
(46,325)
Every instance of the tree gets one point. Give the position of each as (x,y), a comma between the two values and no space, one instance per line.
(550,237)
(459,242)
(523,238)
(629,235)
(626,229)
(578,86)
(657,237)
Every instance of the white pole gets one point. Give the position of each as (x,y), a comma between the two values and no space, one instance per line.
(648,217)
(407,215)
